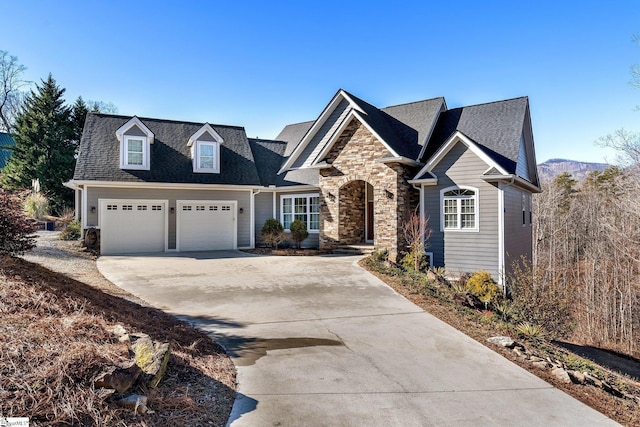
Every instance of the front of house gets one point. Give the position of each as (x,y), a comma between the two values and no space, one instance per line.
(354,175)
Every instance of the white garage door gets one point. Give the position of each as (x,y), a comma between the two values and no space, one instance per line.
(132,226)
(206,225)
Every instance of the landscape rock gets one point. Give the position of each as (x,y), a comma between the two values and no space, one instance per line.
(136,402)
(611,389)
(151,356)
(576,376)
(121,333)
(542,364)
(592,380)
(561,374)
(117,378)
(502,341)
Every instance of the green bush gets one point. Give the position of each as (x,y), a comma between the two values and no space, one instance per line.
(482,285)
(71,231)
(36,206)
(381,254)
(408,261)
(273,233)
(298,231)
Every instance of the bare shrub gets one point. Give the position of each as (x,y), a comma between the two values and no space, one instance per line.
(416,234)
(536,301)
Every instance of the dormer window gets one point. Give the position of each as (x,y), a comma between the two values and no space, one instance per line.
(207,154)
(205,150)
(135,141)
(136,153)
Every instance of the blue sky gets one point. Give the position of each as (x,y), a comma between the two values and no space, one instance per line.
(265,64)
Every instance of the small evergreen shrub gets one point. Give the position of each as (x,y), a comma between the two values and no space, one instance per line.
(16,231)
(71,231)
(482,285)
(273,233)
(530,331)
(409,261)
(36,206)
(298,231)
(381,254)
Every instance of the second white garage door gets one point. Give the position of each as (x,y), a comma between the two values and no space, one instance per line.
(206,225)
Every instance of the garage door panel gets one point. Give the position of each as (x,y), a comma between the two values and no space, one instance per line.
(206,226)
(132,227)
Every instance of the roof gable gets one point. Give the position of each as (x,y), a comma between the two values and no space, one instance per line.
(495,128)
(402,129)
(456,138)
(205,133)
(135,125)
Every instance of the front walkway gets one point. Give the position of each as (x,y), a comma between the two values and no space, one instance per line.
(319,341)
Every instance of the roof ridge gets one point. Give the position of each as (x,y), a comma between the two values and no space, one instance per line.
(122,116)
(413,102)
(489,103)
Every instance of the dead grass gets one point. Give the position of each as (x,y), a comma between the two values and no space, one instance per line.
(55,338)
(474,324)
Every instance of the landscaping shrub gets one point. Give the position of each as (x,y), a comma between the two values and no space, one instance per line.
(273,233)
(381,254)
(410,263)
(482,285)
(16,231)
(36,206)
(298,231)
(71,231)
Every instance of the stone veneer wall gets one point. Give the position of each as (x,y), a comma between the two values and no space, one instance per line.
(354,158)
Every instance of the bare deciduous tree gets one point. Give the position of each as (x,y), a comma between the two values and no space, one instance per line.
(11,94)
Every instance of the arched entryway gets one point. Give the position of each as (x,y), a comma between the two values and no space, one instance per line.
(356,213)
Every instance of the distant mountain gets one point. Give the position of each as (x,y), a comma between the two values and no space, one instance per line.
(554,167)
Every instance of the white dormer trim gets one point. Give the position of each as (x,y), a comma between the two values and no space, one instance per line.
(212,139)
(317,125)
(126,161)
(205,128)
(448,145)
(134,121)
(357,115)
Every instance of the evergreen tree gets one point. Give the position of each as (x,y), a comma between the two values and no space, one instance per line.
(78,116)
(46,144)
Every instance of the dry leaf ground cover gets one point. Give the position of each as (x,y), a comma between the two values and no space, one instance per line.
(55,338)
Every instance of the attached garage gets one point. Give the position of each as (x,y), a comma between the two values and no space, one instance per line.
(132,226)
(206,225)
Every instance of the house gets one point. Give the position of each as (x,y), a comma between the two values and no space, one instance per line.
(353,175)
(6,144)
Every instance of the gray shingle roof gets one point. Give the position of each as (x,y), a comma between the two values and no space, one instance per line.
(98,157)
(404,127)
(5,152)
(293,134)
(496,127)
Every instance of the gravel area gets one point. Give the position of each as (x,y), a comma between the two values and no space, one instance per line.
(71,259)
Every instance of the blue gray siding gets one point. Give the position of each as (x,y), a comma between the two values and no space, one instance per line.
(243,198)
(263,208)
(517,237)
(322,136)
(464,251)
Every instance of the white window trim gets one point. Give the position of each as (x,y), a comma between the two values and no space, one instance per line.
(476,199)
(124,151)
(294,196)
(216,157)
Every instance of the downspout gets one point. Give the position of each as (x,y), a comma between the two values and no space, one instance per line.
(252,240)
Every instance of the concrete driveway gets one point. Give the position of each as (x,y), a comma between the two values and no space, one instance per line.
(318,341)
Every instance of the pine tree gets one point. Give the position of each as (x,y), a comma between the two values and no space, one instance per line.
(46,144)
